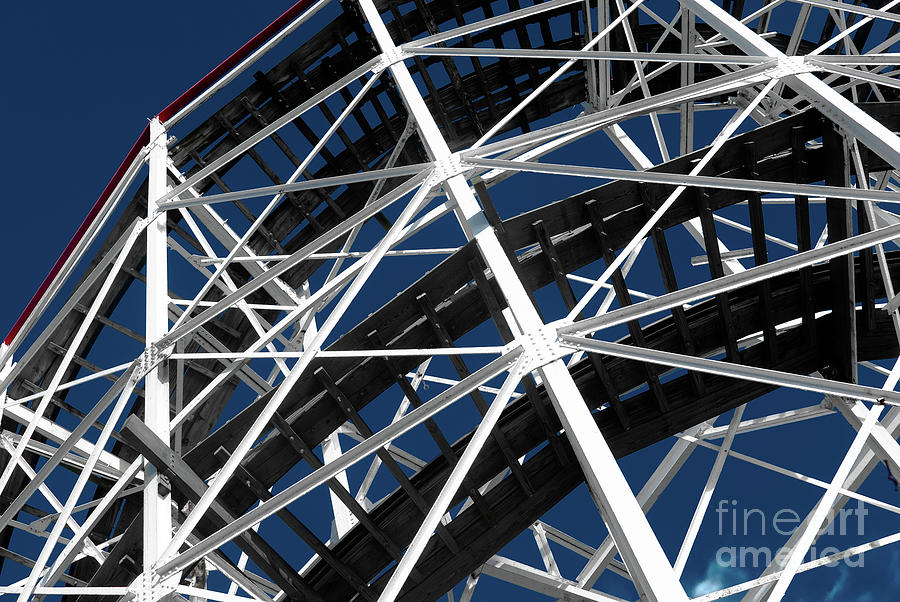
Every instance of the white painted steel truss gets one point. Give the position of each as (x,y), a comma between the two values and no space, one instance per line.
(230,333)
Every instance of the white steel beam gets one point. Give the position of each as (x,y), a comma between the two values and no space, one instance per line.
(343,518)
(793,474)
(706,496)
(718,85)
(157,515)
(848,116)
(722,368)
(652,573)
(541,581)
(37,418)
(726,283)
(272,406)
(772,420)
(347,459)
(395,352)
(282,189)
(649,493)
(540,538)
(597,55)
(658,177)
(823,508)
(71,460)
(452,485)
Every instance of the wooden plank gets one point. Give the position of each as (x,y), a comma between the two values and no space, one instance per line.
(667,271)
(624,299)
(484,288)
(716,270)
(390,463)
(192,486)
(304,451)
(760,253)
(842,350)
(869,284)
(565,289)
(459,365)
(801,216)
(294,524)
(450,456)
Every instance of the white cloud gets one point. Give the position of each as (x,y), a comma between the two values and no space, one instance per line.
(837,588)
(716,577)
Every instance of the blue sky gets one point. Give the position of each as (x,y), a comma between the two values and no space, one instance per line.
(81,81)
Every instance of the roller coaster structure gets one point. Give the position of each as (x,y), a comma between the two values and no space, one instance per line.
(210,366)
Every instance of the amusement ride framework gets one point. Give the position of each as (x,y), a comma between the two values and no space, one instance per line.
(280,356)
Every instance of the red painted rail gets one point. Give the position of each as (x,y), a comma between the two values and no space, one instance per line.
(179,103)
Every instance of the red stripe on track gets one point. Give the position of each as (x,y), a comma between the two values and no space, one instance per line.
(79,234)
(179,103)
(239,55)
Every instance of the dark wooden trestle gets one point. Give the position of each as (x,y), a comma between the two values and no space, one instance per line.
(459,295)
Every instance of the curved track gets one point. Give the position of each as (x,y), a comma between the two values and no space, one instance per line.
(797,318)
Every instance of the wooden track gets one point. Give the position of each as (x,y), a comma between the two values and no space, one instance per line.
(468,104)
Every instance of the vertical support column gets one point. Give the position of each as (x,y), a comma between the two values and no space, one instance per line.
(638,545)
(686,110)
(343,518)
(843,288)
(157,499)
(602,66)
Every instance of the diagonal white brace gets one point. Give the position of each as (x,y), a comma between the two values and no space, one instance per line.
(639,547)
(827,100)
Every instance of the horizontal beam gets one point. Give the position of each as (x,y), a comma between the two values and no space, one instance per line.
(541,581)
(493,350)
(203,260)
(487,23)
(712,87)
(605,55)
(280,189)
(721,368)
(732,281)
(657,177)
